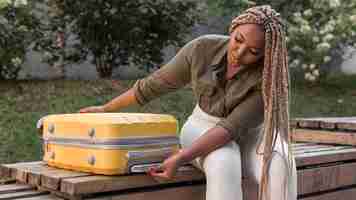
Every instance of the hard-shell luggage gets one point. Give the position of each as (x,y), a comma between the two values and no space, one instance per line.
(108,143)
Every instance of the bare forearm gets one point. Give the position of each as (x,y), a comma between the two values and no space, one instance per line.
(210,141)
(126,99)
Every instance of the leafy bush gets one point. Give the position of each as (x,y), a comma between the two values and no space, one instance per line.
(115,32)
(315,28)
(16,31)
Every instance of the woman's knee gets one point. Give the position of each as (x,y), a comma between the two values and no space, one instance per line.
(224,162)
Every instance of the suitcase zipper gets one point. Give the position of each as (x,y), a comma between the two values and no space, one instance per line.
(123,143)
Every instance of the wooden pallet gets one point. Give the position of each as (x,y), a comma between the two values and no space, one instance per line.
(68,184)
(325,172)
(341,130)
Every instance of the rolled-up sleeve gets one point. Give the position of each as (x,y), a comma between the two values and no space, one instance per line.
(248,114)
(170,77)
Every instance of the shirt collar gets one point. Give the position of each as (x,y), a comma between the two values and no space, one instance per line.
(219,56)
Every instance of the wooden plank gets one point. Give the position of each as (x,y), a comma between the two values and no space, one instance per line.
(95,184)
(328,125)
(326,178)
(4,172)
(345,194)
(313,158)
(300,145)
(196,192)
(321,149)
(343,123)
(43,197)
(23,194)
(50,177)
(310,145)
(347,124)
(318,147)
(293,123)
(60,194)
(313,123)
(11,188)
(326,137)
(18,170)
(7,181)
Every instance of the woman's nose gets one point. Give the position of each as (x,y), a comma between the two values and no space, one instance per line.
(241,51)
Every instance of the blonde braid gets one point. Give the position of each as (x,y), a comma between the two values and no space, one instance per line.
(275,88)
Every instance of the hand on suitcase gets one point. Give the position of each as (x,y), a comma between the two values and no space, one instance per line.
(92,109)
(39,126)
(168,169)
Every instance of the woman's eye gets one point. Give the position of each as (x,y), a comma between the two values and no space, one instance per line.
(238,39)
(253,52)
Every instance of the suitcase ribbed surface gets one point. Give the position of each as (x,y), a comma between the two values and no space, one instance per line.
(108,143)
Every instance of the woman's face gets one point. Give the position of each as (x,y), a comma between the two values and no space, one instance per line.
(246,45)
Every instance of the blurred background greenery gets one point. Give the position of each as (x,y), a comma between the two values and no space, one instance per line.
(24,102)
(101,35)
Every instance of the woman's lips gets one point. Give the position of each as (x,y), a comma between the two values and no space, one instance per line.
(235,62)
(235,65)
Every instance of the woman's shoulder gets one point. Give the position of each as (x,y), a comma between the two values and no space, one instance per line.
(211,39)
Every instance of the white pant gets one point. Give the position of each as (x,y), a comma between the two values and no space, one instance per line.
(225,167)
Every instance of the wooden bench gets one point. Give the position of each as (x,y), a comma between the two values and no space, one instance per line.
(326,167)
(329,130)
(325,172)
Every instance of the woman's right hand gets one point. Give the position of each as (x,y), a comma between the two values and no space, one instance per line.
(93,109)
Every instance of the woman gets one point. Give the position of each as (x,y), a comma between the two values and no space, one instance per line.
(240,124)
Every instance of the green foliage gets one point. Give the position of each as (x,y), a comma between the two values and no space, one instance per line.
(115,32)
(24,102)
(315,28)
(17,24)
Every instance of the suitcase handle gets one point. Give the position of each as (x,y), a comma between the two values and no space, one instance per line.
(153,153)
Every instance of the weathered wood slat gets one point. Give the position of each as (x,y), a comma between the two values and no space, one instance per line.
(313,123)
(8,171)
(351,126)
(95,184)
(177,193)
(43,197)
(301,144)
(7,180)
(328,125)
(60,194)
(18,170)
(311,148)
(310,180)
(332,123)
(51,177)
(11,188)
(307,146)
(321,149)
(346,194)
(323,136)
(22,194)
(326,178)
(314,158)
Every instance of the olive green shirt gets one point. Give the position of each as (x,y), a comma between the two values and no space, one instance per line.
(203,63)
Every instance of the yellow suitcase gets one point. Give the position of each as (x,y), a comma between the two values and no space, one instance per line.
(108,143)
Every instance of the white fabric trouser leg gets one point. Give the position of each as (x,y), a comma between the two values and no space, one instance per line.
(224,167)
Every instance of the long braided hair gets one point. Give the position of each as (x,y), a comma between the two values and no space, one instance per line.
(275,89)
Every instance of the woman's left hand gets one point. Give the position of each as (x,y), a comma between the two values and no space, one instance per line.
(169,167)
